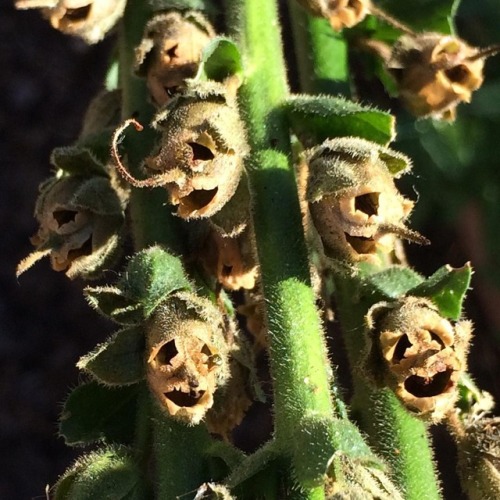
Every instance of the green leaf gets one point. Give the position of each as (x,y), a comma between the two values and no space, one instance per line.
(446,288)
(77,160)
(220,59)
(112,303)
(93,413)
(315,119)
(108,474)
(119,361)
(151,276)
(391,283)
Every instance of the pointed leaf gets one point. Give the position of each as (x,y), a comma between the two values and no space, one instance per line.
(93,412)
(112,303)
(119,361)
(391,283)
(220,59)
(108,473)
(152,275)
(77,160)
(315,119)
(446,288)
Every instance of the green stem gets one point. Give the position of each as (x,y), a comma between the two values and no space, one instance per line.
(396,435)
(321,53)
(151,223)
(298,355)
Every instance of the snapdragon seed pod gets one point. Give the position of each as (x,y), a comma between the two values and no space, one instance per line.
(170,52)
(186,356)
(204,143)
(340,13)
(435,72)
(479,458)
(80,224)
(87,19)
(418,354)
(354,204)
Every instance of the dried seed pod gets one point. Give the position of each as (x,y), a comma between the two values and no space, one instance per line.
(479,459)
(170,52)
(230,260)
(201,153)
(340,13)
(435,73)
(354,204)
(81,219)
(418,354)
(88,19)
(186,355)
(212,491)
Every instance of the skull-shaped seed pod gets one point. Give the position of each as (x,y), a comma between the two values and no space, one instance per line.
(434,73)
(87,19)
(186,355)
(230,260)
(81,220)
(418,354)
(479,458)
(340,13)
(170,52)
(354,205)
(200,157)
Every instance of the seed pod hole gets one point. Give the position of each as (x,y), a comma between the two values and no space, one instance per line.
(200,152)
(64,217)
(367,203)
(428,387)
(79,14)
(166,354)
(403,344)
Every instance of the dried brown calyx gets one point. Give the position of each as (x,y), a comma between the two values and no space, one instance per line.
(435,73)
(170,52)
(186,356)
(340,13)
(354,204)
(88,19)
(230,259)
(418,354)
(80,224)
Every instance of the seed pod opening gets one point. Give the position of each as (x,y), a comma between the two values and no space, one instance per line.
(200,158)
(80,224)
(186,356)
(418,354)
(340,13)
(354,204)
(435,73)
(170,52)
(88,19)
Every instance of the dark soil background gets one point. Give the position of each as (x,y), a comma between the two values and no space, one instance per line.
(46,82)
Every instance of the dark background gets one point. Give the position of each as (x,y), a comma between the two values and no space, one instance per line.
(46,82)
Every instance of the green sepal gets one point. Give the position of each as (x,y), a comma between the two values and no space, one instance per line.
(391,283)
(152,275)
(79,160)
(119,361)
(110,473)
(446,288)
(94,412)
(220,59)
(315,119)
(112,303)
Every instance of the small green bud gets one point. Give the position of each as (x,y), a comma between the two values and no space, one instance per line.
(170,52)
(418,354)
(354,204)
(87,19)
(186,355)
(80,224)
